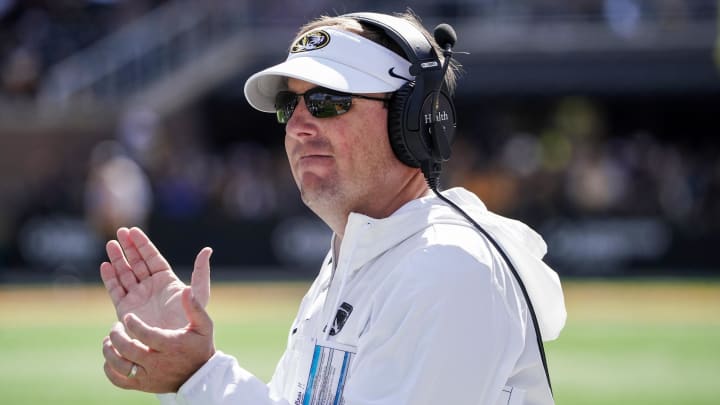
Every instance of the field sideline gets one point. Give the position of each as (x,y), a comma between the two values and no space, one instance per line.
(633,342)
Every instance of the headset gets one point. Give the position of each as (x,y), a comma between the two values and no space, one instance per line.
(421,114)
(422,121)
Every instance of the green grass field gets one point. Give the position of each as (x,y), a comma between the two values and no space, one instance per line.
(624,343)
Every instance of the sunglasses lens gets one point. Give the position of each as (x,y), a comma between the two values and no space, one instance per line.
(321,103)
(285,103)
(326,105)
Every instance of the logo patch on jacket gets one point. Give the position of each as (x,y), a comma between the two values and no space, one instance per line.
(311,41)
(341,317)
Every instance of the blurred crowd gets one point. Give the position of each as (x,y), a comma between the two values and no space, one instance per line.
(578,161)
(581,162)
(560,157)
(36,34)
(573,165)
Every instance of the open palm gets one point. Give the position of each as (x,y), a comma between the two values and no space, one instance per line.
(140,280)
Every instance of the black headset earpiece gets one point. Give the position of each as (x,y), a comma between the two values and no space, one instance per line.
(420,132)
(396,129)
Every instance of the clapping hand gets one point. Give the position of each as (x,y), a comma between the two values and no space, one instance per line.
(164,334)
(140,280)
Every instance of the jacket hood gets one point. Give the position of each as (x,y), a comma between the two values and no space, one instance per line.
(521,244)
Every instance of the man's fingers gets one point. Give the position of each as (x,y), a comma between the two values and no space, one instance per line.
(118,369)
(200,281)
(111,282)
(118,379)
(200,321)
(149,253)
(130,349)
(122,268)
(155,338)
(137,264)
(121,365)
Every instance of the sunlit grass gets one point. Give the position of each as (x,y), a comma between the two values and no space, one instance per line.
(625,343)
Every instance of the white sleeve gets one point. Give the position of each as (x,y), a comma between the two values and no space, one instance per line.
(221,381)
(441,332)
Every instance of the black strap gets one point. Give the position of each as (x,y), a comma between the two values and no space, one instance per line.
(538,336)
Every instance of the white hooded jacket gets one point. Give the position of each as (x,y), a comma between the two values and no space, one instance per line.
(418,308)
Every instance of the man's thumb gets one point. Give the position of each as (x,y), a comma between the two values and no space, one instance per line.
(199,319)
(200,281)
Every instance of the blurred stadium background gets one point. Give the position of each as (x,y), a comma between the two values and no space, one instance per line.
(594,121)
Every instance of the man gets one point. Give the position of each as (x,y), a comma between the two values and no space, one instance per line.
(413,305)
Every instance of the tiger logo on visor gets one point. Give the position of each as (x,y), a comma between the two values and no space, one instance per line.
(311,41)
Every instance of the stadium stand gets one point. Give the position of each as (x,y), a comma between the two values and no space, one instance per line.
(592,120)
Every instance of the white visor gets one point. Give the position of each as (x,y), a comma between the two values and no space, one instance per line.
(331,58)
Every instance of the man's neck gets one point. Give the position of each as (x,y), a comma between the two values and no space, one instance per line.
(409,193)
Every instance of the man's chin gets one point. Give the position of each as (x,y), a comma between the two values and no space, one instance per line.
(318,194)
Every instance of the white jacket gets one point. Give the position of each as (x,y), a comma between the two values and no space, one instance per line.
(419,308)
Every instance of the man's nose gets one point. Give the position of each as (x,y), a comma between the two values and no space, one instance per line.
(299,123)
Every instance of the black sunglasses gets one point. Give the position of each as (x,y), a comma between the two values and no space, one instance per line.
(321,102)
